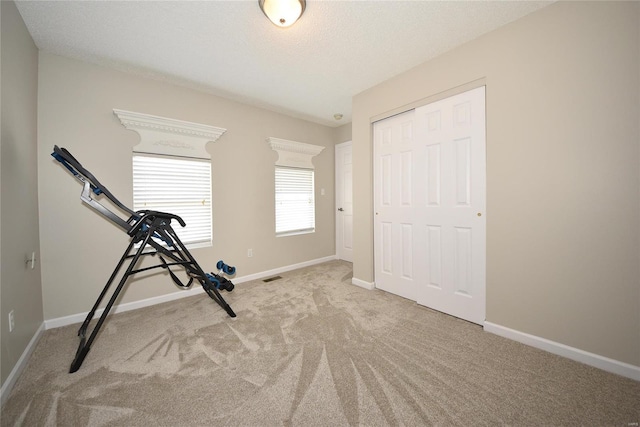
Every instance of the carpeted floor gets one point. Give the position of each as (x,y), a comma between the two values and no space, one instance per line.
(309,349)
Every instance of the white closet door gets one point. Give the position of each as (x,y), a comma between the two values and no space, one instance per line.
(430,196)
(452,134)
(395,211)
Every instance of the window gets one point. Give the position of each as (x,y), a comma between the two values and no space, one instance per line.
(295,201)
(179,186)
(172,171)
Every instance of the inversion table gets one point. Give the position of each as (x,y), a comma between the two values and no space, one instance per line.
(153,232)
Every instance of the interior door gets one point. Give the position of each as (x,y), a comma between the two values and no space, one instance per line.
(344,202)
(451,133)
(394,203)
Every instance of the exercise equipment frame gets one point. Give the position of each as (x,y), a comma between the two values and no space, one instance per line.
(153,232)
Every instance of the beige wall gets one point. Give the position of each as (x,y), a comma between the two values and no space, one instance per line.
(20,286)
(563,194)
(80,248)
(343,133)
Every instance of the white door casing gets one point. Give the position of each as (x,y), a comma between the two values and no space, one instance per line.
(446,195)
(344,202)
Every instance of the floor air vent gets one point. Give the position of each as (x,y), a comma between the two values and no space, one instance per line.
(271,279)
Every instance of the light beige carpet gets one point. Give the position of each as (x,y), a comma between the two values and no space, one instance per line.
(309,349)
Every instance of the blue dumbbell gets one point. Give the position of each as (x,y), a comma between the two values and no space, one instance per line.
(220,282)
(226,268)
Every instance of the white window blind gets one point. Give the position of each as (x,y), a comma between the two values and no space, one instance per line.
(295,201)
(178,186)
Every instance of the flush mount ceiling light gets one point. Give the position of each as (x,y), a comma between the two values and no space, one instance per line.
(283,13)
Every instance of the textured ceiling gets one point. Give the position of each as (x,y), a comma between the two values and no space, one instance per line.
(229,48)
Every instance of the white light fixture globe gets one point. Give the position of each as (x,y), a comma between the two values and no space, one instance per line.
(283,13)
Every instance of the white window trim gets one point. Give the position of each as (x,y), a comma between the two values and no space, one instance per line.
(161,135)
(298,155)
(294,154)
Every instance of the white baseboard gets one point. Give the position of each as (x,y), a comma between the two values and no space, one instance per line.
(367,285)
(283,269)
(128,306)
(591,359)
(19,366)
(194,290)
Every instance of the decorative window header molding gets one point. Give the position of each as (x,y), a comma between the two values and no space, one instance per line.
(160,135)
(294,154)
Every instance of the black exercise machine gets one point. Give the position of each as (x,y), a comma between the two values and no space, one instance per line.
(151,230)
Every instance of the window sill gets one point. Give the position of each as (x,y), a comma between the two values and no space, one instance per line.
(198,245)
(295,233)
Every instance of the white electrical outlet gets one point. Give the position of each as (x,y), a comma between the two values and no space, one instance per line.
(11,321)
(249,253)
